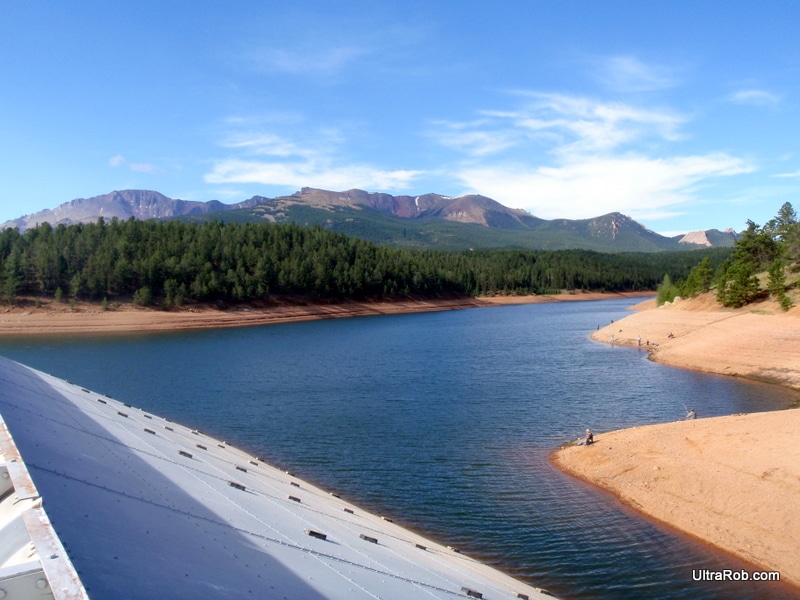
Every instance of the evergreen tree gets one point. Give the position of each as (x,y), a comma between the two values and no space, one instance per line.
(699,279)
(737,284)
(784,226)
(757,245)
(12,276)
(786,231)
(776,285)
(143,296)
(667,291)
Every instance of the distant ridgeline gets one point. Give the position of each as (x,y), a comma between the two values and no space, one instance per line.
(429,221)
(172,263)
(765,262)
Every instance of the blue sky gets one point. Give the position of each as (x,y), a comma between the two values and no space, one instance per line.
(683,115)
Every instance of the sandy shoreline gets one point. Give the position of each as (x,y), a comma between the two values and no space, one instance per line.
(758,342)
(729,481)
(61,319)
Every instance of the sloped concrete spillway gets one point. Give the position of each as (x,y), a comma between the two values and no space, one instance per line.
(147,508)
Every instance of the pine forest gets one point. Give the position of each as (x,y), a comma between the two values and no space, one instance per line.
(169,264)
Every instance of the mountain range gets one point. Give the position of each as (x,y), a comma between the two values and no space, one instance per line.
(427,221)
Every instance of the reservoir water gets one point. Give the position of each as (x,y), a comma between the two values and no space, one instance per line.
(443,421)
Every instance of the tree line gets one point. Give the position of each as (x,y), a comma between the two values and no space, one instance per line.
(173,263)
(756,269)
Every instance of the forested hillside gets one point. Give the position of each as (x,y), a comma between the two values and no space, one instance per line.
(765,262)
(774,249)
(173,263)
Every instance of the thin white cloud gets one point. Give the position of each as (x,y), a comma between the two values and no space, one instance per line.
(310,173)
(270,159)
(635,185)
(788,175)
(564,124)
(327,46)
(118,160)
(755,97)
(268,144)
(628,74)
(470,138)
(144,167)
(575,157)
(308,60)
(590,126)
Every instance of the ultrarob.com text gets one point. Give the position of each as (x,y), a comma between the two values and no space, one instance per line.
(734,575)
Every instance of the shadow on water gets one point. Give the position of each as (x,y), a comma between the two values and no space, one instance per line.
(444,421)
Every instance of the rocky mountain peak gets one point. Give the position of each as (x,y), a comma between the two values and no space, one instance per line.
(695,237)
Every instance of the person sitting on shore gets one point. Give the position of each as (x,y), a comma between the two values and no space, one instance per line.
(690,415)
(588,440)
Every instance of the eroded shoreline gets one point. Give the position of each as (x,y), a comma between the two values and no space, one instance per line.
(62,319)
(729,481)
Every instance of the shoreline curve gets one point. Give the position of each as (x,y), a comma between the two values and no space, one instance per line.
(728,481)
(83,318)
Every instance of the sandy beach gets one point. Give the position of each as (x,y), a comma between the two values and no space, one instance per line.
(728,481)
(759,341)
(53,318)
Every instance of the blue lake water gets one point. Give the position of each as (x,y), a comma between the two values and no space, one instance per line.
(443,421)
